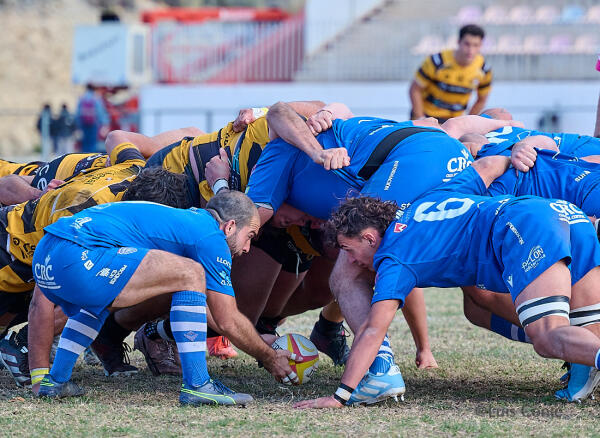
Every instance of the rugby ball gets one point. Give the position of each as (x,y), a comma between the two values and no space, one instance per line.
(307,355)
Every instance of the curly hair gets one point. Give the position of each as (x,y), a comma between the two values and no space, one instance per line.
(155,184)
(356,214)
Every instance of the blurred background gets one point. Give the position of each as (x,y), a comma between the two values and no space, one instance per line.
(157,65)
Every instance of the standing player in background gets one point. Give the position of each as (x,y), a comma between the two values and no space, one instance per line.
(443,84)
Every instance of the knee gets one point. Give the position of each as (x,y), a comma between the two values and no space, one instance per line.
(116,137)
(192,131)
(475,314)
(196,276)
(544,343)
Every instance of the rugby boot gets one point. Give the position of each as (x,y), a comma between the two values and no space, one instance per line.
(374,388)
(14,355)
(161,356)
(332,343)
(213,392)
(52,389)
(220,346)
(583,381)
(114,357)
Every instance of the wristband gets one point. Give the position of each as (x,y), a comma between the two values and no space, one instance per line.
(38,374)
(219,184)
(343,393)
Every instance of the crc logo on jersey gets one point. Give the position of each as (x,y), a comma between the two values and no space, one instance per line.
(567,212)
(398,227)
(225,279)
(80,221)
(535,257)
(224,262)
(126,250)
(458,164)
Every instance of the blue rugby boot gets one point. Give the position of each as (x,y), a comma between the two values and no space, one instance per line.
(583,381)
(376,387)
(212,392)
(52,389)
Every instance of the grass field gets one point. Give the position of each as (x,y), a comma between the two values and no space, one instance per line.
(485,386)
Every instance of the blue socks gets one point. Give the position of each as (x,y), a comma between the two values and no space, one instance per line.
(384,359)
(188,324)
(78,334)
(508,329)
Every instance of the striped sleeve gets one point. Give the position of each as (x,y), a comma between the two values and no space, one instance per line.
(426,73)
(486,83)
(126,152)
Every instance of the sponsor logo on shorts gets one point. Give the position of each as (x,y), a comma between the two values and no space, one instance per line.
(84,255)
(126,250)
(509,280)
(103,272)
(114,275)
(80,221)
(567,212)
(515,232)
(501,204)
(535,257)
(226,262)
(88,265)
(399,227)
(585,173)
(388,183)
(225,279)
(43,275)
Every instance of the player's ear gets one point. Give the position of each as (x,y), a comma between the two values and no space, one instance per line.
(229,228)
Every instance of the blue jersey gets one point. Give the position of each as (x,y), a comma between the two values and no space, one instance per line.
(456,236)
(502,140)
(555,175)
(417,164)
(192,233)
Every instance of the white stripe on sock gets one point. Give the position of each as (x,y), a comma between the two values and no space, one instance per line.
(71,346)
(191,309)
(81,328)
(191,347)
(184,326)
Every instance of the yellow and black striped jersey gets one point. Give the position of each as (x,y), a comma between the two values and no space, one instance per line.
(448,85)
(190,155)
(67,166)
(23,169)
(25,222)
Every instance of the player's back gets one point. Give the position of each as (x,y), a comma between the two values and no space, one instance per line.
(143,225)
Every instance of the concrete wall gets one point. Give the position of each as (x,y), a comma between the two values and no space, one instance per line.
(211,107)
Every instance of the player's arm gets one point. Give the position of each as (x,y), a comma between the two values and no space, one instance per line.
(233,324)
(490,168)
(459,126)
(479,105)
(284,122)
(523,154)
(366,344)
(415,92)
(15,189)
(592,159)
(149,145)
(415,314)
(483,91)
(40,335)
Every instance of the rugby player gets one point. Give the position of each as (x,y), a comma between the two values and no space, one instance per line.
(382,153)
(130,257)
(547,260)
(22,227)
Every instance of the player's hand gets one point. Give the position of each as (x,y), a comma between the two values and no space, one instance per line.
(279,366)
(515,123)
(523,156)
(425,360)
(54,183)
(217,168)
(319,403)
(330,159)
(244,118)
(320,121)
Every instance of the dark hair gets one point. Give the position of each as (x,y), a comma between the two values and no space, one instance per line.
(471,29)
(230,204)
(356,214)
(155,184)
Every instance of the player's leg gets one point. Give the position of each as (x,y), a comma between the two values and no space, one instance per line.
(149,145)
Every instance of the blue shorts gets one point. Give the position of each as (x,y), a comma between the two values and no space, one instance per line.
(75,277)
(532,234)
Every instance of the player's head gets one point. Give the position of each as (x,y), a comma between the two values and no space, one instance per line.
(470,38)
(155,184)
(473,142)
(497,113)
(358,227)
(287,215)
(238,219)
